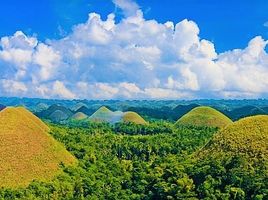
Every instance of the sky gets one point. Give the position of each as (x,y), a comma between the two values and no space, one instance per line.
(126,49)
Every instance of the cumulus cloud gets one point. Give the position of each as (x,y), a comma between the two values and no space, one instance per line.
(133,58)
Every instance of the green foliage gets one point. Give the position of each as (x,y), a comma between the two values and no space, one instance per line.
(153,161)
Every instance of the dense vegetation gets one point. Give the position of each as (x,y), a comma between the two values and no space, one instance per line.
(155,161)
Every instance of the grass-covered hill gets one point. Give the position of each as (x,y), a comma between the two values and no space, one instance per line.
(234,163)
(58,116)
(248,136)
(204,116)
(103,114)
(77,106)
(79,116)
(55,113)
(27,151)
(133,117)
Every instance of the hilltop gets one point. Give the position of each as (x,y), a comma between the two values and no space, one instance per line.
(103,114)
(133,117)
(79,116)
(204,116)
(55,113)
(27,151)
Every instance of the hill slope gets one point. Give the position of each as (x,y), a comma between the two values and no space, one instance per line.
(55,113)
(27,151)
(204,116)
(133,117)
(103,114)
(79,116)
(248,136)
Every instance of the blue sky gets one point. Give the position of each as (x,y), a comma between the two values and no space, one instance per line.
(229,24)
(127,49)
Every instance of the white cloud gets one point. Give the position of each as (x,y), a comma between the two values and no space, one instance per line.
(133,58)
(59,90)
(14,87)
(129,7)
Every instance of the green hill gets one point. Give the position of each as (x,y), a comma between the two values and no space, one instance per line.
(58,116)
(55,113)
(204,116)
(103,114)
(27,151)
(133,117)
(78,106)
(79,116)
(248,136)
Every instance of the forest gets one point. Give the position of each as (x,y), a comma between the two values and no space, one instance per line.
(155,161)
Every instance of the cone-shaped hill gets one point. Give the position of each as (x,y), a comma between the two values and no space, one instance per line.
(78,106)
(204,116)
(103,114)
(247,137)
(133,118)
(79,116)
(27,151)
(55,113)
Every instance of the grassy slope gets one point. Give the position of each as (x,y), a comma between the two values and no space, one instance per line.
(248,136)
(79,116)
(134,118)
(103,114)
(204,116)
(27,151)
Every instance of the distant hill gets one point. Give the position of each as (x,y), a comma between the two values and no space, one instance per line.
(245,111)
(2,107)
(78,106)
(27,151)
(204,116)
(58,116)
(133,118)
(55,113)
(79,116)
(85,110)
(40,107)
(247,137)
(103,114)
